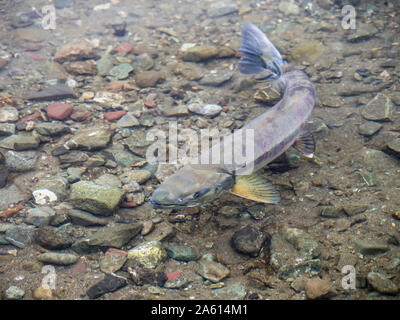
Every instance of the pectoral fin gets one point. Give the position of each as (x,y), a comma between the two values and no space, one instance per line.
(256,188)
(305,144)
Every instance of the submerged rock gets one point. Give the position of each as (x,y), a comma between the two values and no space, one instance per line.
(199,53)
(380,108)
(149,254)
(90,139)
(381,283)
(181,253)
(249,241)
(318,288)
(108,284)
(212,270)
(115,236)
(57,258)
(20,142)
(101,200)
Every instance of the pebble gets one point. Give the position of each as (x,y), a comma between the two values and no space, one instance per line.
(172,111)
(109,99)
(142,276)
(137,142)
(289,7)
(20,142)
(125,47)
(9,114)
(56,92)
(121,71)
(249,240)
(108,284)
(59,111)
(362,32)
(80,115)
(86,219)
(382,283)
(330,211)
(4,173)
(182,253)
(149,254)
(44,196)
(52,129)
(147,79)
(74,174)
(148,227)
(57,258)
(42,293)
(116,236)
(78,49)
(235,291)
(108,180)
(53,238)
(221,11)
(209,110)
(139,176)
(394,147)
(39,216)
(380,108)
(302,241)
(216,79)
(87,67)
(163,231)
(257,212)
(353,209)
(212,270)
(90,139)
(11,194)
(317,289)
(229,212)
(369,128)
(7,129)
(198,53)
(128,120)
(114,115)
(97,199)
(14,293)
(20,161)
(307,51)
(112,262)
(143,62)
(56,184)
(20,236)
(370,248)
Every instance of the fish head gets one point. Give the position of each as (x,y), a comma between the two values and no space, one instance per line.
(192,186)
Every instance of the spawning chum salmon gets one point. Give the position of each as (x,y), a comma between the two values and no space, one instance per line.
(274,132)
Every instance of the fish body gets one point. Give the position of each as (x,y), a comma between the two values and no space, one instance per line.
(273,133)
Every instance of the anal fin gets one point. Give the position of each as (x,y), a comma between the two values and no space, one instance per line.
(256,188)
(305,144)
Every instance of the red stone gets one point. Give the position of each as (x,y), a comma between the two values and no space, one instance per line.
(59,111)
(31,117)
(80,267)
(150,100)
(33,47)
(126,47)
(114,250)
(80,115)
(173,275)
(33,56)
(114,115)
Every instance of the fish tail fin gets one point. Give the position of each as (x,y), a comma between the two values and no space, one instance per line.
(259,55)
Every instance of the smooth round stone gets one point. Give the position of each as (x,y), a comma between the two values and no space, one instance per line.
(57,258)
(205,109)
(59,111)
(20,160)
(8,114)
(121,71)
(14,293)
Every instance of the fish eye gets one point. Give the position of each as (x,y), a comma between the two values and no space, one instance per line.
(200,193)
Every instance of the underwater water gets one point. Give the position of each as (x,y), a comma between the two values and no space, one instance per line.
(83,83)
